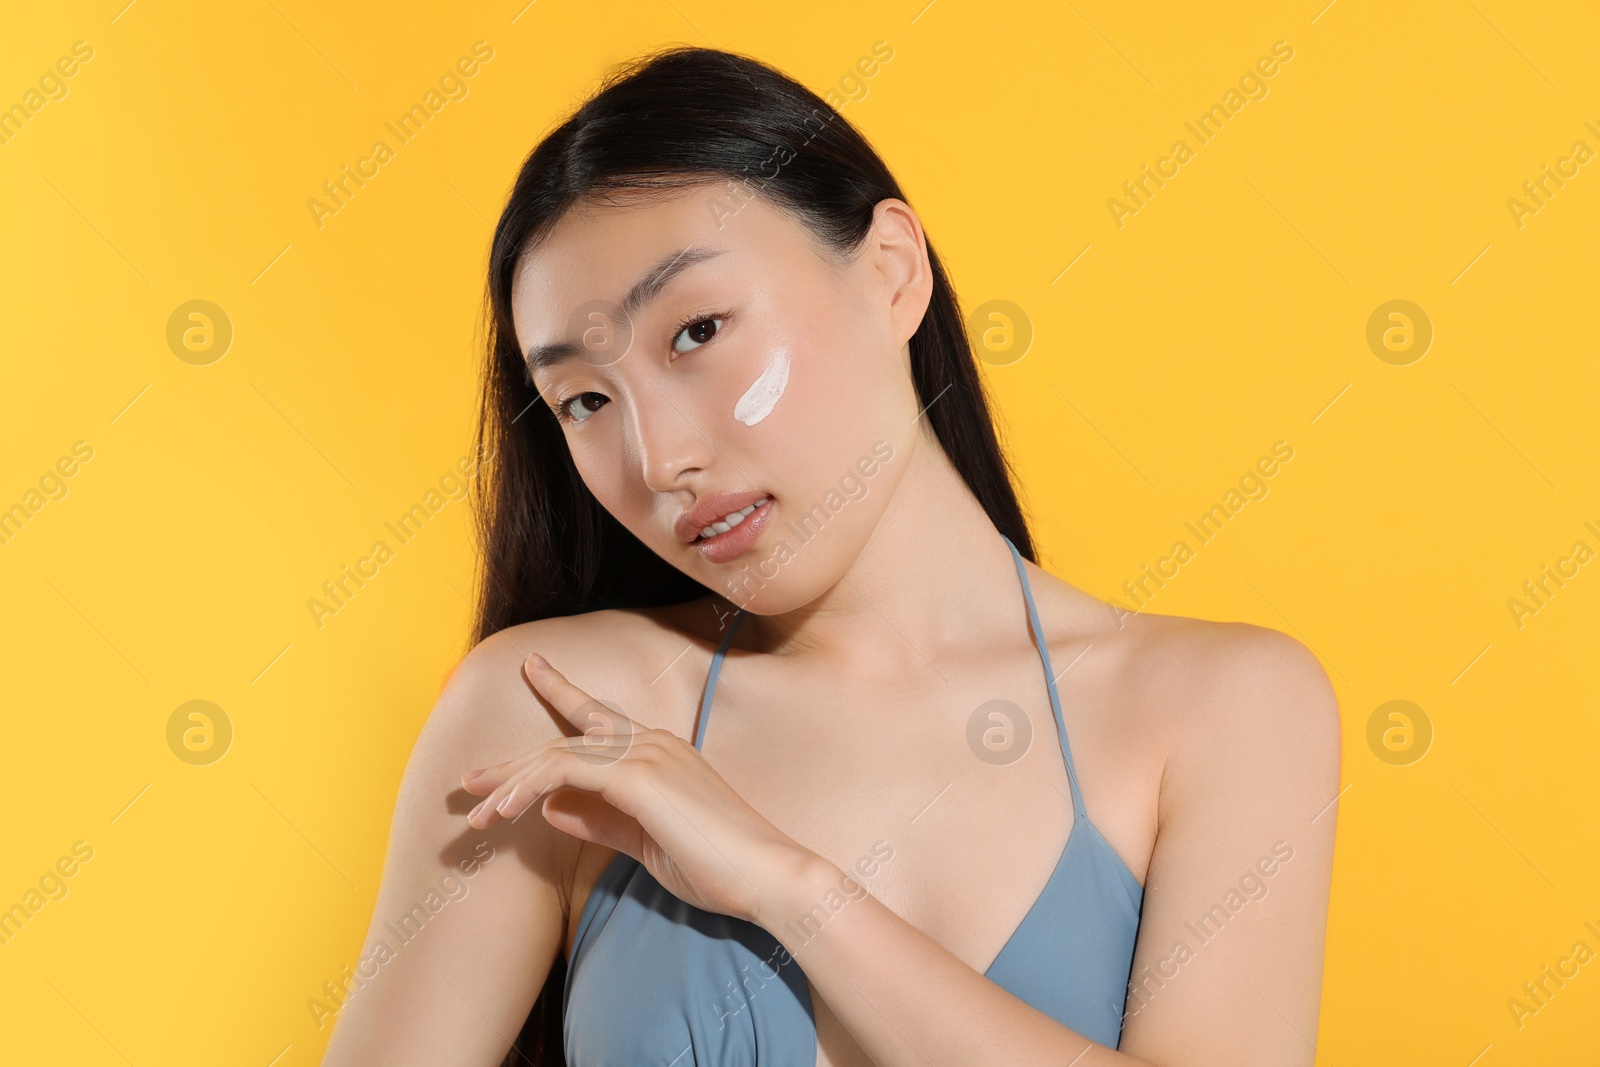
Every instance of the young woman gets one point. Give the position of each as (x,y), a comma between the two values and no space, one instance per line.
(789,753)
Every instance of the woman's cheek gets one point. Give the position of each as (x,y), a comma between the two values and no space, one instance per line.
(762,396)
(606,477)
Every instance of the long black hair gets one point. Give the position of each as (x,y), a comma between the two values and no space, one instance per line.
(678,117)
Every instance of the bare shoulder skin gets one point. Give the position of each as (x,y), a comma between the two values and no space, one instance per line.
(1243,727)
(1209,756)
(459,987)
(1201,748)
(1207,753)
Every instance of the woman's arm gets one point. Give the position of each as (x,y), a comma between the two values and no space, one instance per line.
(467,922)
(1248,789)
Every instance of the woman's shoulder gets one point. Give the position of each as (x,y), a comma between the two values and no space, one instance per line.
(1180,676)
(639,659)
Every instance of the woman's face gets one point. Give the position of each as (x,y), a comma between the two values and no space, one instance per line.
(711,359)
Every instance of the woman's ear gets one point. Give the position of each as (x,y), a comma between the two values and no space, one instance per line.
(900,256)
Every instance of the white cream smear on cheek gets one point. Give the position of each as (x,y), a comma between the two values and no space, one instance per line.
(758,400)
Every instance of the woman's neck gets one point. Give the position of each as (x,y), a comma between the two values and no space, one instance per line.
(933,574)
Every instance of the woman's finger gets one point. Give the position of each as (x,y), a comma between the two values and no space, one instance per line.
(571,764)
(606,737)
(506,801)
(576,706)
(591,818)
(605,732)
(485,780)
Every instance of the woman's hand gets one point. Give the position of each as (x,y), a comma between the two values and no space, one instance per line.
(646,792)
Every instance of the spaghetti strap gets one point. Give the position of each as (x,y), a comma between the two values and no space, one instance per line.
(711,678)
(650,973)
(704,717)
(1049,679)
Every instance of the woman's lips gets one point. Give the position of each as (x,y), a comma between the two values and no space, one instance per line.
(732,544)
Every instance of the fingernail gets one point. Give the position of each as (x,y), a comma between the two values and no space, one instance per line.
(538,662)
(501,807)
(473,814)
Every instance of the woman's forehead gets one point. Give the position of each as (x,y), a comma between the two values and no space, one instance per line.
(599,252)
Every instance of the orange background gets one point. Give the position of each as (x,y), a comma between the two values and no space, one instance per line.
(1165,355)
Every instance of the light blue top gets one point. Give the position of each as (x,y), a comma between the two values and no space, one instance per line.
(654,980)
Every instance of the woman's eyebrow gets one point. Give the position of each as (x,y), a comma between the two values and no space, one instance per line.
(646,289)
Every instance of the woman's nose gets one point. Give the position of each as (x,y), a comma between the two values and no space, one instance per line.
(669,439)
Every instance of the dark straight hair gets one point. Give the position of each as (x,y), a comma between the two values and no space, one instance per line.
(660,124)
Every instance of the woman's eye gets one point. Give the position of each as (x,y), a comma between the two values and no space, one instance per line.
(699,331)
(573,408)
